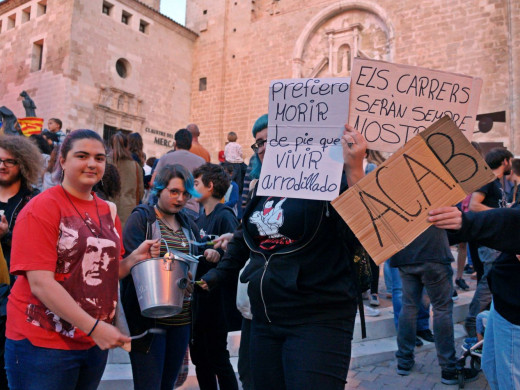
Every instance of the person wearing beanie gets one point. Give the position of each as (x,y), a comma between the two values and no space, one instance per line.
(301,287)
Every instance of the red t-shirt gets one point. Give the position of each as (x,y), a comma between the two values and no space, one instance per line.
(49,235)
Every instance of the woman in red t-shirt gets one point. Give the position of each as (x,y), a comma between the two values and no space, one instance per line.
(67,258)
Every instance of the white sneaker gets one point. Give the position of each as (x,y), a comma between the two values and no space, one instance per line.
(374,300)
(371,312)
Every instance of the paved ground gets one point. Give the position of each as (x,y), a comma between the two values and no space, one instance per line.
(425,375)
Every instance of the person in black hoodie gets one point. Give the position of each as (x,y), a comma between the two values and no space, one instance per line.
(157,358)
(497,229)
(301,282)
(211,310)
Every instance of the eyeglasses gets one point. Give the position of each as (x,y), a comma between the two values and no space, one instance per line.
(175,193)
(9,162)
(258,144)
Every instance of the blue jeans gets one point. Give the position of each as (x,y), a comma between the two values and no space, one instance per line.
(158,369)
(423,316)
(36,368)
(437,279)
(307,356)
(388,276)
(481,300)
(501,354)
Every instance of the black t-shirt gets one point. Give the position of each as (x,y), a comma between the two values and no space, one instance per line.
(495,197)
(221,220)
(276,223)
(431,246)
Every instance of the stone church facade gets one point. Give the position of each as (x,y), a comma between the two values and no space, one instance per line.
(97,64)
(243,45)
(216,71)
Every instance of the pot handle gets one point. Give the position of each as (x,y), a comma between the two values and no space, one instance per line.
(165,243)
(182,283)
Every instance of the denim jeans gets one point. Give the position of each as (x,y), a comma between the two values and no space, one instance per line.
(501,354)
(388,276)
(158,369)
(481,300)
(35,368)
(306,356)
(437,279)
(423,316)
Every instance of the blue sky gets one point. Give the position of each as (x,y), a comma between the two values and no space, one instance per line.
(175,9)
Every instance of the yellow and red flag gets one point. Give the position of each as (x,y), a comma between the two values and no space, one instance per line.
(31,126)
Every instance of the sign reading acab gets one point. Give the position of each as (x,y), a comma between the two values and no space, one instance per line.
(387,209)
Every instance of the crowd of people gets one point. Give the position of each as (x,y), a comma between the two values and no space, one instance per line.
(77,213)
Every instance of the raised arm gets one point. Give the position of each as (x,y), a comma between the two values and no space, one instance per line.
(354,148)
(495,228)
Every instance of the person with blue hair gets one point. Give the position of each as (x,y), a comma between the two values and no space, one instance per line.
(302,287)
(157,358)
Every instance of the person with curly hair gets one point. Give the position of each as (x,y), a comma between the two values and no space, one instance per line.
(20,166)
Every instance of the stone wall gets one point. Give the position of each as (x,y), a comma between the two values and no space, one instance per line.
(243,45)
(48,87)
(78,81)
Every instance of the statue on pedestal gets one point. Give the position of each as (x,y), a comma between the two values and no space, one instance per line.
(28,104)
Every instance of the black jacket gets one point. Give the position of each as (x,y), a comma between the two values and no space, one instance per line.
(497,229)
(21,199)
(219,305)
(308,283)
(140,226)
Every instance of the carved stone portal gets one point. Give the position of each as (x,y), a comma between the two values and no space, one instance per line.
(119,109)
(329,47)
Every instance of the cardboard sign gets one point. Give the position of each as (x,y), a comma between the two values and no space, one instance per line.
(392,103)
(304,156)
(387,209)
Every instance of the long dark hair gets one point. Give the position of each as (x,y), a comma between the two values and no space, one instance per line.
(68,143)
(135,146)
(110,185)
(119,145)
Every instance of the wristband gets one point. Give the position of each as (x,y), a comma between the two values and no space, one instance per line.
(94,327)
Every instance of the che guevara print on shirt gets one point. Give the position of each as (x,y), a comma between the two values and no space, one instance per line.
(87,267)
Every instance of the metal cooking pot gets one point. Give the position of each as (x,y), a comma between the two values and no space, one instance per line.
(160,283)
(193,261)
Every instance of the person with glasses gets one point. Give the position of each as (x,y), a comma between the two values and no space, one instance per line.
(301,281)
(20,164)
(157,358)
(181,155)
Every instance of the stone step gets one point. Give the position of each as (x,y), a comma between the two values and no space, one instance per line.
(380,345)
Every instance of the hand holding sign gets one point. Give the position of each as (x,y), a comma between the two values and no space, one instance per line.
(354,149)
(446,218)
(389,208)
(304,157)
